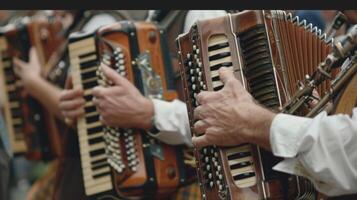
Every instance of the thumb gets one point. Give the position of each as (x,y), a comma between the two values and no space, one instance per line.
(112,75)
(33,55)
(225,74)
(200,141)
(18,62)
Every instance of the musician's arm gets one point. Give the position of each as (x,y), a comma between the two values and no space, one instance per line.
(171,120)
(322,149)
(36,85)
(46,93)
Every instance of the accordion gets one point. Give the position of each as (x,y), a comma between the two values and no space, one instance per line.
(116,161)
(32,129)
(268,53)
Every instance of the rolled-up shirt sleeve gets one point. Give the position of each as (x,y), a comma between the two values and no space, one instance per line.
(171,119)
(323,149)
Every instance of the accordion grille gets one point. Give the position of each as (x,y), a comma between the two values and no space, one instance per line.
(259,70)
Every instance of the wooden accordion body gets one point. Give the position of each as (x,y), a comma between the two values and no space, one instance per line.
(31,128)
(140,166)
(246,42)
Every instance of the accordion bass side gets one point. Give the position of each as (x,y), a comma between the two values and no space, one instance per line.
(244,42)
(141,166)
(31,128)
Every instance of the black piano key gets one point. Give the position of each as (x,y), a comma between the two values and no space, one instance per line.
(239,155)
(218,88)
(16,112)
(219,56)
(90,109)
(90,84)
(92,119)
(88,97)
(18,127)
(94,130)
(10,79)
(13,96)
(240,165)
(88,75)
(218,46)
(98,161)
(96,140)
(97,152)
(243,176)
(88,64)
(102,174)
(8,71)
(87,55)
(99,166)
(225,64)
(216,78)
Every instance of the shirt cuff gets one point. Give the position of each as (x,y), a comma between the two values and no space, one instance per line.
(286,134)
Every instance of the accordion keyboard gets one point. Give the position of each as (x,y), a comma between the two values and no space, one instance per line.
(12,101)
(95,168)
(240,158)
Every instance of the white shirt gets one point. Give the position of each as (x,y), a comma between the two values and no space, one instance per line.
(323,149)
(97,21)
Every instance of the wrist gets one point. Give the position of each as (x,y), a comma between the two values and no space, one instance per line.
(261,134)
(30,79)
(147,114)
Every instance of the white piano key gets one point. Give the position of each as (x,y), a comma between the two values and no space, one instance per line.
(222,50)
(235,150)
(216,84)
(220,61)
(247,182)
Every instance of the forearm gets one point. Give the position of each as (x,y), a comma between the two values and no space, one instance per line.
(46,93)
(258,126)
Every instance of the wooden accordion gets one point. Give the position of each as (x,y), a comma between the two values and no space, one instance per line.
(31,128)
(124,162)
(269,52)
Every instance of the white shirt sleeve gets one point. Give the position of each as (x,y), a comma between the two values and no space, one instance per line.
(322,149)
(194,15)
(171,119)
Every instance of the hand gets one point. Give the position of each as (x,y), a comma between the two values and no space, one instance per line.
(28,71)
(230,116)
(122,105)
(71,104)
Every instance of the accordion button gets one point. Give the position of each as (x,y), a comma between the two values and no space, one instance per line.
(190,63)
(199,64)
(211,183)
(188,56)
(210,176)
(208,167)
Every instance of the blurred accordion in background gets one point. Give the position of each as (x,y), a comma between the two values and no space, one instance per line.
(32,129)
